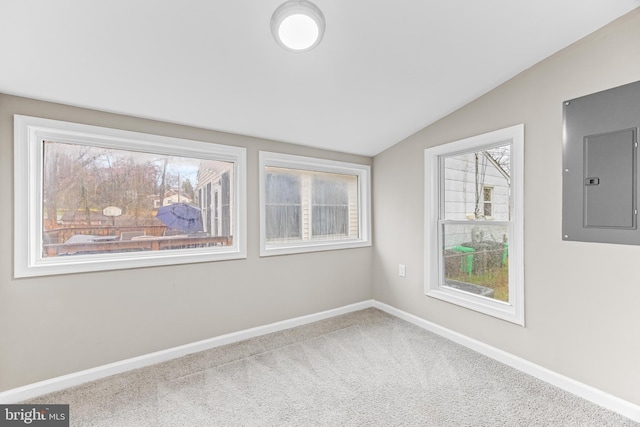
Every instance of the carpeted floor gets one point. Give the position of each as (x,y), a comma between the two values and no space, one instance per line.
(362,369)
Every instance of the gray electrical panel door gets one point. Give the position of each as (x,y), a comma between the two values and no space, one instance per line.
(600,157)
(609,169)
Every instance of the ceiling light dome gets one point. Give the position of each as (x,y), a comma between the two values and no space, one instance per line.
(297,25)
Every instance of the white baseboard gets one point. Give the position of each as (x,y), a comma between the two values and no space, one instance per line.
(613,403)
(587,392)
(65,381)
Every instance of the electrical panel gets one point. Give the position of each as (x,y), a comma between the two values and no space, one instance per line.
(600,166)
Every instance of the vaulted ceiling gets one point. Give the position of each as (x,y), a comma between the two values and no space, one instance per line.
(384,69)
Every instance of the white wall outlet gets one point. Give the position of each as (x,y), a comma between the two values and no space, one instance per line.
(402,270)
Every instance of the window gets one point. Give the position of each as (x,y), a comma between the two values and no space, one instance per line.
(309,204)
(91,198)
(487,194)
(474,223)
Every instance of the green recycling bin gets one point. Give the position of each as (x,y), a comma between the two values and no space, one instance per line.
(505,254)
(467,265)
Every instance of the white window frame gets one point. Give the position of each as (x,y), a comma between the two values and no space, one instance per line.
(363,172)
(513,310)
(29,134)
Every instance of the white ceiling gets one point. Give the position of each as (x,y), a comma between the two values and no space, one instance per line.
(384,70)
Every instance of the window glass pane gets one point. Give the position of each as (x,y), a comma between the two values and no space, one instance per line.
(99,200)
(476,259)
(283,205)
(476,185)
(330,198)
(487,193)
(302,205)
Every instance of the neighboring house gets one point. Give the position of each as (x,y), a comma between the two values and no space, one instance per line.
(171,197)
(215,196)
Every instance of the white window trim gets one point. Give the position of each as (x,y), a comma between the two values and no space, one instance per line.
(29,132)
(270,159)
(513,311)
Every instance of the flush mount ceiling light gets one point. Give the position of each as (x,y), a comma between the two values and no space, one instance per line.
(297,25)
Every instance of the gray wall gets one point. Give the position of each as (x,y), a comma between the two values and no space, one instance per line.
(582,299)
(51,326)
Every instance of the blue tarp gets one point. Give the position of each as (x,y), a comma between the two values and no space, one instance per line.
(181,216)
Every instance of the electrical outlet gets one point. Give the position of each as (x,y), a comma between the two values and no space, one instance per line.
(402,270)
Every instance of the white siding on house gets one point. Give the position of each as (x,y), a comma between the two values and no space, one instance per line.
(465,177)
(217,215)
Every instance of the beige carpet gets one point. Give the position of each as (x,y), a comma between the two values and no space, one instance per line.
(362,369)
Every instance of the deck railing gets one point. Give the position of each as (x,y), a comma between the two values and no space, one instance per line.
(62,234)
(141,243)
